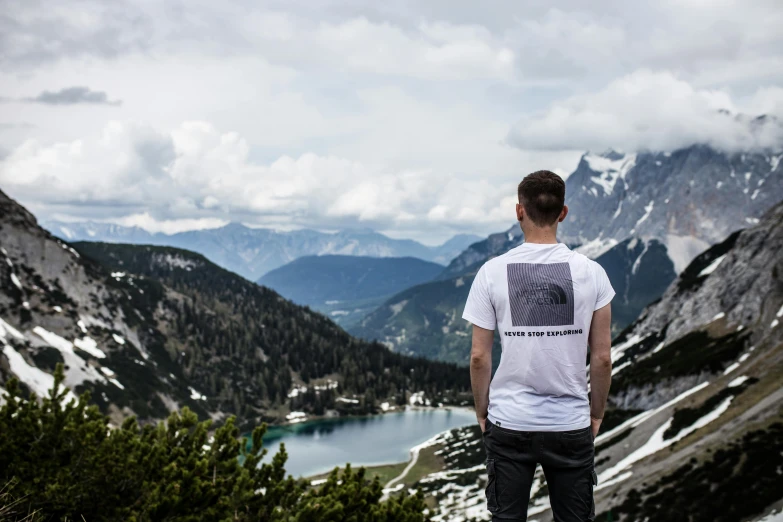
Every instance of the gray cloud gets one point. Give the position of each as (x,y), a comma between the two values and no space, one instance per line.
(73,96)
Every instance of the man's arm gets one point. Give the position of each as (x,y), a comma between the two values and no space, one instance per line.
(600,341)
(481,370)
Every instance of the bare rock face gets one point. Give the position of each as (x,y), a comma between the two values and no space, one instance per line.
(738,283)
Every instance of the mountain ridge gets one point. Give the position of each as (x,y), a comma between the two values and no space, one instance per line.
(252,252)
(346,288)
(183,331)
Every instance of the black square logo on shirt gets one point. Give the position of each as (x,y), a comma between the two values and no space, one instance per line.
(540,294)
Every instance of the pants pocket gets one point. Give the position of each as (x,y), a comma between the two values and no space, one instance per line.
(490,491)
(594,482)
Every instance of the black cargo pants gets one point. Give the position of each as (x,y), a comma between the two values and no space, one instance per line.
(567,458)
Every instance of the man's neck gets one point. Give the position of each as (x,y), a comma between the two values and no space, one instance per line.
(541,236)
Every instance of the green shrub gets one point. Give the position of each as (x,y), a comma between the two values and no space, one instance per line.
(61,460)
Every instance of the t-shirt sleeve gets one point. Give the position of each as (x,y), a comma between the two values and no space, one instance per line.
(604,291)
(479,309)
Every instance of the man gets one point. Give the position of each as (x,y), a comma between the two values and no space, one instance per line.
(548,303)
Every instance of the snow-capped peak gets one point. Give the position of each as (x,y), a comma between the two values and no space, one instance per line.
(610,167)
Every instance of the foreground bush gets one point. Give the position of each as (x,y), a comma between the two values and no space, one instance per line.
(62,461)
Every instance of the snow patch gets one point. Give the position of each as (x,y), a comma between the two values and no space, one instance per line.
(112,377)
(618,211)
(15,281)
(296,416)
(647,211)
(196,396)
(638,261)
(617,369)
(89,345)
(738,381)
(118,339)
(616,480)
(609,171)
(173,261)
(596,247)
(712,266)
(345,399)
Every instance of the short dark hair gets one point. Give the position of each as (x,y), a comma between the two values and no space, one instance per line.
(542,193)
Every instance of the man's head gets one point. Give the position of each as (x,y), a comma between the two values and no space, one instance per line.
(541,200)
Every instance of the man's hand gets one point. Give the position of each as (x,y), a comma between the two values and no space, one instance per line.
(595,425)
(483,424)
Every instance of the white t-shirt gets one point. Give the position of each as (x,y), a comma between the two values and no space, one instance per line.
(542,298)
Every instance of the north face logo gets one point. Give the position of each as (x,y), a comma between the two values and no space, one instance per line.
(544,294)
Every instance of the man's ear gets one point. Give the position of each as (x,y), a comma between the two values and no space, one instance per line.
(520,212)
(563,214)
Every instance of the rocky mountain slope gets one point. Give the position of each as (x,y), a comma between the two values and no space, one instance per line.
(427,319)
(346,288)
(695,421)
(148,330)
(252,252)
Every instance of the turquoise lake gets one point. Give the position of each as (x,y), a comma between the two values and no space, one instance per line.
(318,446)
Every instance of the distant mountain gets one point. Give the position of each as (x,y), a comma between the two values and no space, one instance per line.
(687,199)
(694,422)
(150,329)
(252,252)
(347,287)
(427,319)
(639,271)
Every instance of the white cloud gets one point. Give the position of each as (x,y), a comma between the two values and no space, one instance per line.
(168,226)
(649,111)
(198,177)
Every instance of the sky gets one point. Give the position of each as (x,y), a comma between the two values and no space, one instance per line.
(414,118)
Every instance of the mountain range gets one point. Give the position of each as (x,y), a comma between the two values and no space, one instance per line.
(150,329)
(642,216)
(252,252)
(694,423)
(346,288)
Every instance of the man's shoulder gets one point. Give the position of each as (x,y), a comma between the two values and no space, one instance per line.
(499,260)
